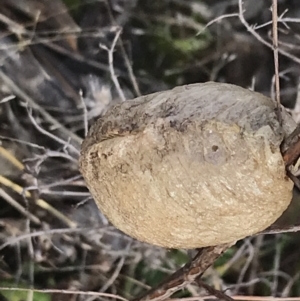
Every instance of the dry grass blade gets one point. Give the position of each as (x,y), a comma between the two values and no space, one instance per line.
(40,202)
(12,159)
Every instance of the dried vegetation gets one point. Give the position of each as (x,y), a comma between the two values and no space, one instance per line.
(63,64)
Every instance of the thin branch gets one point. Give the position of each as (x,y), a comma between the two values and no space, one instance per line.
(67,292)
(292,152)
(22,142)
(128,65)
(189,273)
(30,263)
(40,202)
(20,93)
(276,59)
(14,240)
(64,193)
(85,114)
(110,52)
(11,158)
(274,230)
(215,20)
(53,137)
(276,266)
(251,29)
(280,20)
(7,98)
(124,54)
(117,271)
(63,218)
(18,207)
(214,292)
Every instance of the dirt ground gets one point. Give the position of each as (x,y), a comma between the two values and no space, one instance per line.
(63,64)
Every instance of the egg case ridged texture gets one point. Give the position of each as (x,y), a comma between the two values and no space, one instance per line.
(195,166)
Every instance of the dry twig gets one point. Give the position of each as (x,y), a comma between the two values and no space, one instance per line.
(17,91)
(40,202)
(18,207)
(218,294)
(276,59)
(189,273)
(110,51)
(124,54)
(252,31)
(68,292)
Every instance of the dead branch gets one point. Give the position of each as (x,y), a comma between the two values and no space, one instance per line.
(189,273)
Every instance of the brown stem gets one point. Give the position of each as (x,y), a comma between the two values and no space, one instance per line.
(290,150)
(290,147)
(189,273)
(292,154)
(214,292)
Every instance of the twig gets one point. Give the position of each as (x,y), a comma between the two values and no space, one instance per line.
(40,202)
(214,292)
(7,98)
(17,91)
(116,272)
(55,138)
(15,240)
(280,20)
(110,52)
(85,114)
(215,20)
(43,204)
(189,273)
(276,266)
(290,147)
(22,142)
(250,250)
(68,292)
(255,264)
(290,150)
(276,59)
(293,177)
(251,29)
(292,153)
(124,54)
(30,264)
(240,298)
(64,192)
(12,159)
(21,30)
(70,181)
(274,230)
(18,207)
(130,70)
